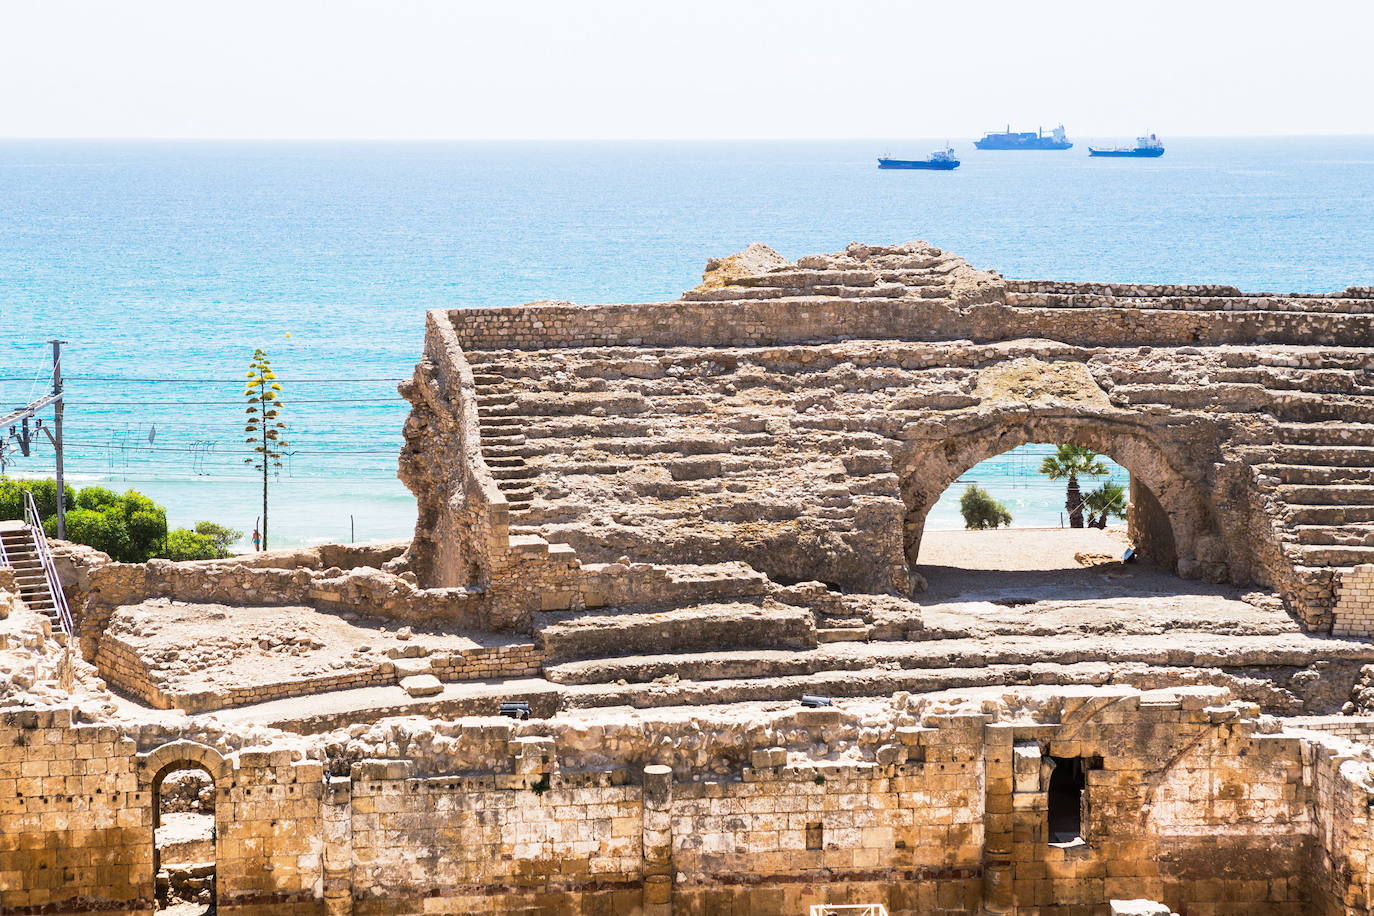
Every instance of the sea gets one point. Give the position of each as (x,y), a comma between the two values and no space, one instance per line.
(163,265)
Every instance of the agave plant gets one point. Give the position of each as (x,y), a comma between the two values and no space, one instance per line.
(264,425)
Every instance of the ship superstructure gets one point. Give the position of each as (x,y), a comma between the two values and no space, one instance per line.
(942,160)
(1025,140)
(1146,147)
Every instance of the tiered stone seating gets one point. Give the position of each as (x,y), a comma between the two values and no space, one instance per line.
(802,417)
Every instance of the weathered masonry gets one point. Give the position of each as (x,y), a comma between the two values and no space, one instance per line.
(804,417)
(927,807)
(658,526)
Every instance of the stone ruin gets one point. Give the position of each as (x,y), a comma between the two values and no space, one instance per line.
(659,526)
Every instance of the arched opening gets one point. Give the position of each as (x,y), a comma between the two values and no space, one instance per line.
(1007,530)
(184,839)
(1036,577)
(185,781)
(1168,514)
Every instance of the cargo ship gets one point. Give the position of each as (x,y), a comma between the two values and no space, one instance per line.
(941,160)
(1025,140)
(1147,147)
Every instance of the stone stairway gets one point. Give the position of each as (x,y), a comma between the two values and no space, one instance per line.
(22,554)
(500,422)
(705,627)
(1319,479)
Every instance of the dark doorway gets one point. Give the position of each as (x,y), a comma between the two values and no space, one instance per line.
(184,840)
(1066,800)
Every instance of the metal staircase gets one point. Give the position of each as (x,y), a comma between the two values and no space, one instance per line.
(24,547)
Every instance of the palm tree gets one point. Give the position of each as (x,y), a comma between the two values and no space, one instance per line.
(1107,501)
(1071,462)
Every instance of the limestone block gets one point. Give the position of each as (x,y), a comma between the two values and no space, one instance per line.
(763,757)
(1139,907)
(422,685)
(1025,761)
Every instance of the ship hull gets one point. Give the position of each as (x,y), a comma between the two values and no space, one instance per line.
(931,165)
(1037,144)
(1128,153)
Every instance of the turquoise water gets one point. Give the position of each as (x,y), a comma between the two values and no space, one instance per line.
(170,262)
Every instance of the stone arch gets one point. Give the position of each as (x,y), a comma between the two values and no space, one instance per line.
(1179,511)
(156,765)
(180,755)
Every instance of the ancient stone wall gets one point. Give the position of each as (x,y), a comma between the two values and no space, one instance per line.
(811,320)
(461,536)
(926,807)
(1354,610)
(120,664)
(1150,531)
(77,819)
(804,417)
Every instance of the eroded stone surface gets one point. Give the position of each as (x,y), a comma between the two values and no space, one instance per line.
(658,527)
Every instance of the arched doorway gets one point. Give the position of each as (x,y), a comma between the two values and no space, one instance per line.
(185,781)
(184,840)
(1170,515)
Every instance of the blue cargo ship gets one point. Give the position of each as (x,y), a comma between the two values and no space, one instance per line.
(941,160)
(1025,140)
(1147,147)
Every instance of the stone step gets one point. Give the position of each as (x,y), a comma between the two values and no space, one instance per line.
(862,682)
(1286,406)
(1325,433)
(495,410)
(842,634)
(701,666)
(695,628)
(1351,456)
(1331,556)
(1319,381)
(490,450)
(1210,650)
(515,439)
(513,472)
(1317,473)
(1299,515)
(1335,495)
(505,461)
(1335,535)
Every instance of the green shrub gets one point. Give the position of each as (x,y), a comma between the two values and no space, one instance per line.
(130,527)
(222,536)
(982,511)
(185,544)
(44,496)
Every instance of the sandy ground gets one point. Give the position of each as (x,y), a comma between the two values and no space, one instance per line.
(194,647)
(1027,582)
(186,837)
(1018,548)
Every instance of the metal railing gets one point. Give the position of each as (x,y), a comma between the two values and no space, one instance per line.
(4,557)
(849,909)
(40,544)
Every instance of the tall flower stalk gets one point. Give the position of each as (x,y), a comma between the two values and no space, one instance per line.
(264,426)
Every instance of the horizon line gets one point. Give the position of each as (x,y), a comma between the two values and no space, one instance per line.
(665,139)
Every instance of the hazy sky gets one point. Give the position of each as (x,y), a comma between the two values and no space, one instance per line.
(681,68)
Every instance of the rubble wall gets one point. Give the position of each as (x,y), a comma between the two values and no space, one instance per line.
(461,534)
(932,808)
(753,323)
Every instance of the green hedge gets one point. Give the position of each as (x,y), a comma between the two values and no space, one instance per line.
(128,526)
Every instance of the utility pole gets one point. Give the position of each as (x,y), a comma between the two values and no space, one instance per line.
(57,410)
(24,433)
